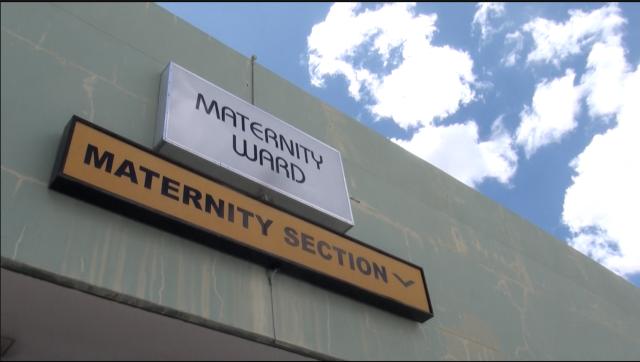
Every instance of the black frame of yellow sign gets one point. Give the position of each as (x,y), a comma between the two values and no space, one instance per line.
(86,167)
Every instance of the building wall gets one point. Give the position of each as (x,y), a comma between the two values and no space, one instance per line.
(501,288)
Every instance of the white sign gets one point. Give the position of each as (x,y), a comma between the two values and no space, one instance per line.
(223,136)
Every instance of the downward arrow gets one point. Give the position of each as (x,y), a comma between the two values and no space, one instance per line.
(405,284)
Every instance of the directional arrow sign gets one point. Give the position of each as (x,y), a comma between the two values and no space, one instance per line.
(101,167)
(405,284)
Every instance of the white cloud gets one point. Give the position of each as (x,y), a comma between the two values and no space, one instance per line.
(432,82)
(484,11)
(457,150)
(604,79)
(556,41)
(552,114)
(512,57)
(429,82)
(599,207)
(414,83)
(422,84)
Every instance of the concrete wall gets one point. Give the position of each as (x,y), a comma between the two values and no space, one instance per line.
(501,288)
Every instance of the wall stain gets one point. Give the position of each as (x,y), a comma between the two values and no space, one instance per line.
(18,242)
(21,178)
(458,242)
(88,86)
(64,62)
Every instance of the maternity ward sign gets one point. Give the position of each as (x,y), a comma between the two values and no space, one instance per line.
(101,167)
(231,140)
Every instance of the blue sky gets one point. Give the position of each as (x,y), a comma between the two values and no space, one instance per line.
(533,105)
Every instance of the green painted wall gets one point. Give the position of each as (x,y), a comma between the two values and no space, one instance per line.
(501,288)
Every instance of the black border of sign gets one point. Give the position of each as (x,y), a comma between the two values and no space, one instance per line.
(106,199)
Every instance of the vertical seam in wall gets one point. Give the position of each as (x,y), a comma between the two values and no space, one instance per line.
(270,275)
(253,62)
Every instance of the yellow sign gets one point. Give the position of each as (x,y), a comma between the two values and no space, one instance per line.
(97,159)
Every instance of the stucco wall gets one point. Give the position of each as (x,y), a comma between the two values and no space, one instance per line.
(501,288)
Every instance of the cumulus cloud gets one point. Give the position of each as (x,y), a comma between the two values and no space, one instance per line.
(390,64)
(555,41)
(551,115)
(431,83)
(456,149)
(599,205)
(605,77)
(386,54)
(481,19)
(421,83)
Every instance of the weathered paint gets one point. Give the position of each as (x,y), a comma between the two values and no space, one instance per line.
(500,287)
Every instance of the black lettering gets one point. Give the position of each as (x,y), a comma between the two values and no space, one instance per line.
(170,184)
(255,131)
(306,156)
(288,145)
(340,252)
(264,224)
(243,118)
(380,272)
(263,156)
(246,214)
(210,202)
(363,265)
(230,213)
(298,176)
(281,163)
(317,161)
(307,244)
(323,244)
(228,112)
(189,193)
(127,169)
(244,150)
(92,153)
(351,262)
(291,236)
(148,176)
(213,105)
(270,134)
